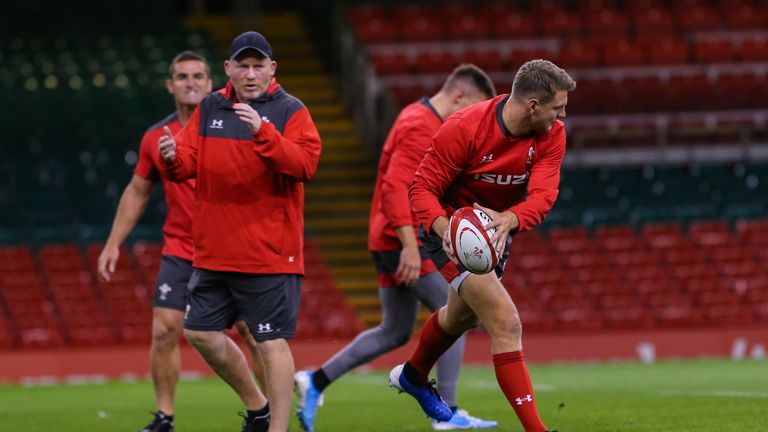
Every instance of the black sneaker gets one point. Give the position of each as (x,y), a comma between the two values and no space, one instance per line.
(255,424)
(161,423)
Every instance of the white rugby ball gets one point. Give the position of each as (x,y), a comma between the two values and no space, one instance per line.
(471,242)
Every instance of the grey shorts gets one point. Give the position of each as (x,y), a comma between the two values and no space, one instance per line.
(269,304)
(171,286)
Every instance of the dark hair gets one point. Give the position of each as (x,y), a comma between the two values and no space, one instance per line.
(476,76)
(188,56)
(541,79)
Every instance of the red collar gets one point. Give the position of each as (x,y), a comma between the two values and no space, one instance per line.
(229,90)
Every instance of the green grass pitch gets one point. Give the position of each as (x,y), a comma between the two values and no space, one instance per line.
(690,395)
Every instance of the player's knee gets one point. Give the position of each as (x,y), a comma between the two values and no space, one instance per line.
(467,322)
(165,334)
(507,326)
(399,338)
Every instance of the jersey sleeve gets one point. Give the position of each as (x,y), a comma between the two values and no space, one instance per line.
(295,153)
(543,184)
(412,143)
(146,167)
(184,166)
(441,164)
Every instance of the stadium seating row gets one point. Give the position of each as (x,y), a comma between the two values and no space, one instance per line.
(658,277)
(51,298)
(600,19)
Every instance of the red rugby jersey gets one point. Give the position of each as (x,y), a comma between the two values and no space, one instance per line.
(474,159)
(407,141)
(179,197)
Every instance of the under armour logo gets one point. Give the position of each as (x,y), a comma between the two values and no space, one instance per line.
(264,118)
(527,398)
(217,124)
(164,290)
(487,158)
(265,328)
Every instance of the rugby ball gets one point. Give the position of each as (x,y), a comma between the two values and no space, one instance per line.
(471,243)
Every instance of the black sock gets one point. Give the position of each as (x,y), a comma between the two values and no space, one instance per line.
(411,374)
(320,380)
(259,415)
(164,415)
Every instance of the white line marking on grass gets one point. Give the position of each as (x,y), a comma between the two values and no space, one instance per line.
(717,393)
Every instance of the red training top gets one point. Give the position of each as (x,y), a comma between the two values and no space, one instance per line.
(249,202)
(474,159)
(179,197)
(407,142)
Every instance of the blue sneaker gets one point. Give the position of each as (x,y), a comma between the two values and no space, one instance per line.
(309,398)
(462,420)
(425,394)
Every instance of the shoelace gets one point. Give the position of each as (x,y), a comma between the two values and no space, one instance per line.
(431,384)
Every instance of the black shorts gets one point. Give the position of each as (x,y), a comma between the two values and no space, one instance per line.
(269,303)
(453,273)
(171,286)
(387,262)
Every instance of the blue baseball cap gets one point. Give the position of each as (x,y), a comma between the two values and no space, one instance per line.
(250,40)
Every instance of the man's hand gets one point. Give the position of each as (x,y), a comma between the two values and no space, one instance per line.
(248,115)
(440,227)
(107,261)
(167,146)
(409,269)
(504,222)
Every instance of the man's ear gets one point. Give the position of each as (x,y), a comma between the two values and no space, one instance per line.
(169,85)
(458,95)
(532,103)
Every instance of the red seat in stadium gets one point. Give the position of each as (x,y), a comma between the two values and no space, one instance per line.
(638,273)
(513,26)
(728,314)
(620,244)
(376,30)
(559,24)
(628,318)
(754,50)
(678,316)
(23,293)
(663,228)
(469,27)
(652,23)
(718,298)
(390,62)
(614,231)
(15,259)
(667,51)
(435,61)
(488,59)
(604,21)
(699,18)
(744,17)
(625,53)
(687,90)
(720,50)
(641,94)
(421,29)
(406,12)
